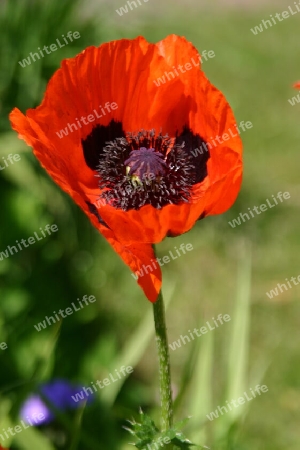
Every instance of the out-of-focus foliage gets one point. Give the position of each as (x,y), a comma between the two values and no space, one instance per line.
(255,73)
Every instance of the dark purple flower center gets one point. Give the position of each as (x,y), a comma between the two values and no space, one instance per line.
(144,168)
(145,164)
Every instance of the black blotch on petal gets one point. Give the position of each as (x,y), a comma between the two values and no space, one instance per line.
(173,235)
(202,216)
(192,143)
(93,210)
(93,144)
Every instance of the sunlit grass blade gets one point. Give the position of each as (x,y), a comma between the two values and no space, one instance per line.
(187,373)
(238,348)
(76,429)
(201,389)
(240,337)
(45,361)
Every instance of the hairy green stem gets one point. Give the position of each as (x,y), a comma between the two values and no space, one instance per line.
(164,363)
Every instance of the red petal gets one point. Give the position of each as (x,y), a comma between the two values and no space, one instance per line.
(124,72)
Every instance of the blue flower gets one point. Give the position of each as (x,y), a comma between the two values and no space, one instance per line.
(58,393)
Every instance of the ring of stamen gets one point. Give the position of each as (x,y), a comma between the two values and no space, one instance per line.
(145,169)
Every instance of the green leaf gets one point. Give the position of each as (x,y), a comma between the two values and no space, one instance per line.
(147,434)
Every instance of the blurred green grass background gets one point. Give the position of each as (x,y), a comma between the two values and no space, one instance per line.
(256,74)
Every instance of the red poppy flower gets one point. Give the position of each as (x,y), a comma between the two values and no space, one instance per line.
(125,149)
